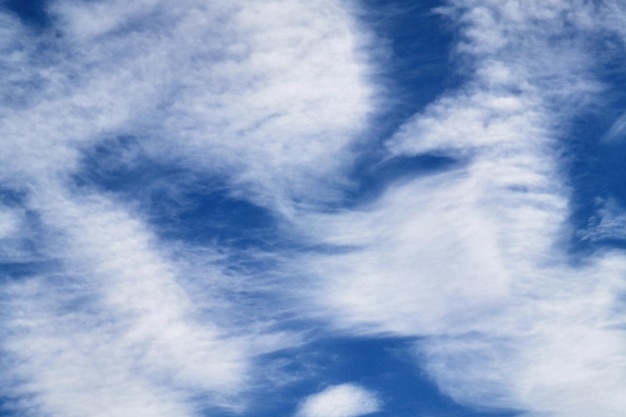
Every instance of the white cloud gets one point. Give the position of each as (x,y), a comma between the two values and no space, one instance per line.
(272,97)
(259,93)
(476,258)
(345,400)
(114,320)
(554,351)
(289,96)
(263,93)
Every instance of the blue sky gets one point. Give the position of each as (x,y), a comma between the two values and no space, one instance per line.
(325,208)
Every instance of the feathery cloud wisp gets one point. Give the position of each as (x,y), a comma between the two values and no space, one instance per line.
(114,112)
(475,258)
(103,323)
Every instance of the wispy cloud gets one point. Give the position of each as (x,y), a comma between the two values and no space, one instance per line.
(257,94)
(617,130)
(609,223)
(112,320)
(105,315)
(476,258)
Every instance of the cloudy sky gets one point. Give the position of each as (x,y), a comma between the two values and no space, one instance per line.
(297,208)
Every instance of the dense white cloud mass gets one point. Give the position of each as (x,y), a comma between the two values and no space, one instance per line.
(102,315)
(346,400)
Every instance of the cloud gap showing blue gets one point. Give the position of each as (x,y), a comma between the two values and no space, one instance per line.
(375,176)
(31,12)
(182,205)
(417,54)
(594,152)
(385,363)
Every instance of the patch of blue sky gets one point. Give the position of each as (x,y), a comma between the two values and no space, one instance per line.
(22,256)
(597,174)
(9,407)
(372,178)
(18,270)
(415,64)
(180,204)
(415,67)
(32,12)
(594,150)
(384,365)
